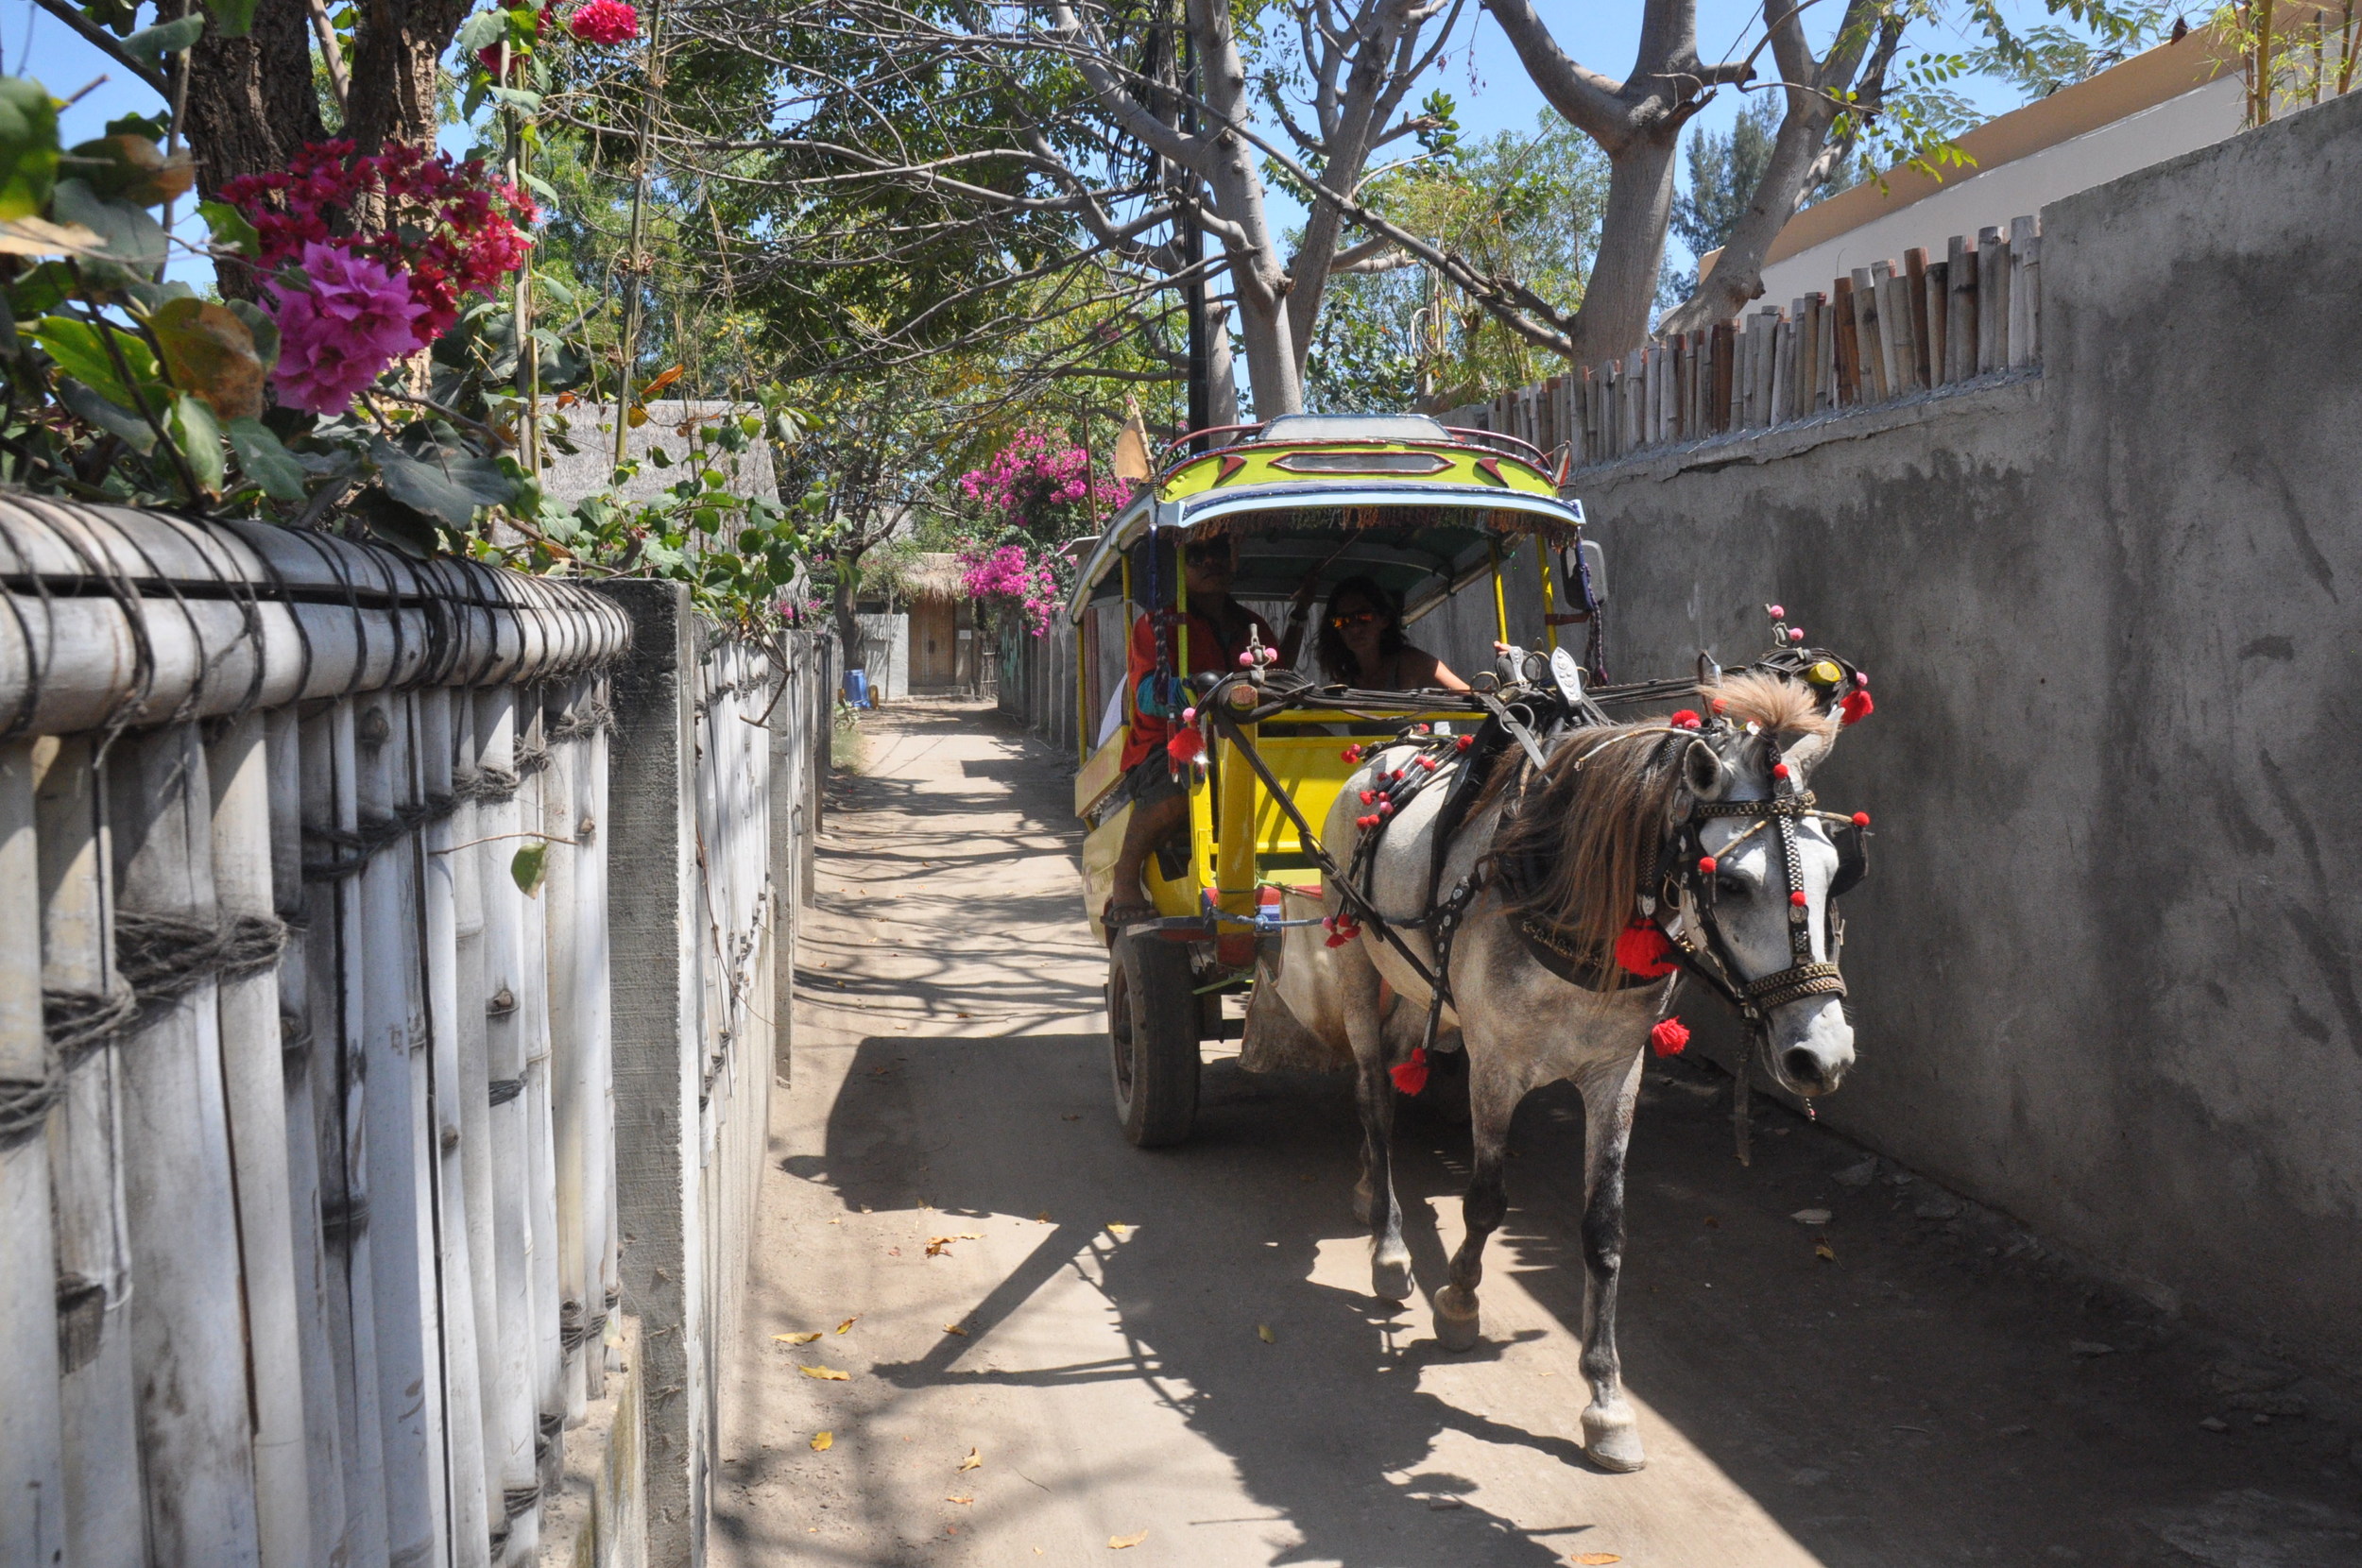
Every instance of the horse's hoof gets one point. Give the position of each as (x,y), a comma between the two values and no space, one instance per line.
(1459,1321)
(1361,1198)
(1390,1278)
(1612,1441)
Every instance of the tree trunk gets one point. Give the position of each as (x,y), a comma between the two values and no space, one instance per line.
(1257,280)
(848,632)
(251,107)
(1616,302)
(396,70)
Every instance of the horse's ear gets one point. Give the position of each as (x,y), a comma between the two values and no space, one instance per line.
(1809,753)
(1707,773)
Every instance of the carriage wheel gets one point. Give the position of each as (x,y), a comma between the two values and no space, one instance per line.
(1151,1036)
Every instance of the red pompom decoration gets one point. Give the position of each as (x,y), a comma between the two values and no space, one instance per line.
(1862,819)
(1186,746)
(1641,949)
(1463,742)
(1368,795)
(1856,705)
(1798,899)
(1779,770)
(1342,929)
(1410,1077)
(1705,865)
(1684,718)
(1720,705)
(1669,1038)
(1385,807)
(1365,823)
(1351,754)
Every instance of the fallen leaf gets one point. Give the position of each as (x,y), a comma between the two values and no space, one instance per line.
(1262,1331)
(1712,1224)
(823,1442)
(1596,1557)
(839,1220)
(1042,1218)
(1118,1542)
(1810,1216)
(938,1245)
(797,1338)
(1118,1229)
(954,1328)
(827,1374)
(894,1252)
(1825,1253)
(973,1461)
(848,1322)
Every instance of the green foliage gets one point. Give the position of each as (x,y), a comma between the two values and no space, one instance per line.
(1724,168)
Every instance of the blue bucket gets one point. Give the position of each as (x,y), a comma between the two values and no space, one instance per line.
(857,688)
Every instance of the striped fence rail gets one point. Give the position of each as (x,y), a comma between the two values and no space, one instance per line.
(1889,331)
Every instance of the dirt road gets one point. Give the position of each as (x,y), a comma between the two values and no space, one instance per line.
(1178,1346)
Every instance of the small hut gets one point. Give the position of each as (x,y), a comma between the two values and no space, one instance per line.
(944,642)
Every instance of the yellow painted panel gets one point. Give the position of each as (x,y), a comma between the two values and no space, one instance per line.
(1102,773)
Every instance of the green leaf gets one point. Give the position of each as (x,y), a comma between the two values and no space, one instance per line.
(517,98)
(450,486)
(529,866)
(91,408)
(482,30)
(262,459)
(80,351)
(132,236)
(404,528)
(151,45)
(194,431)
(131,168)
(261,328)
(230,230)
(28,147)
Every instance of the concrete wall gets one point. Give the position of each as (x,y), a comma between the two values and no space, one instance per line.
(886,654)
(2103,969)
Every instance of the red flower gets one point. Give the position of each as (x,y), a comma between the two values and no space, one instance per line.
(604,22)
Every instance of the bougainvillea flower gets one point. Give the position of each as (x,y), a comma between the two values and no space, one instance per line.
(604,22)
(350,319)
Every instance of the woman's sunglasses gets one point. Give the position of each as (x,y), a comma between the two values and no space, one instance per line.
(1353,618)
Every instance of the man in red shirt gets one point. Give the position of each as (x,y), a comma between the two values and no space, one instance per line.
(1219,629)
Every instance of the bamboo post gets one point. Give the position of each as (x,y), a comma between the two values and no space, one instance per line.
(334,937)
(568,1069)
(2024,263)
(1993,302)
(1824,355)
(1723,345)
(457,1355)
(1960,328)
(301,1053)
(508,1409)
(1651,374)
(188,1340)
(32,1421)
(592,923)
(1873,347)
(237,764)
(1926,368)
(394,1144)
(1897,296)
(92,1288)
(1846,343)
(1767,360)
(1783,401)
(1934,296)
(535,1054)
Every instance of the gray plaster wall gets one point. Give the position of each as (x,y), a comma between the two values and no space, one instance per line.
(2103,970)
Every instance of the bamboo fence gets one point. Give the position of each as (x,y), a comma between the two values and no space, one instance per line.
(1887,331)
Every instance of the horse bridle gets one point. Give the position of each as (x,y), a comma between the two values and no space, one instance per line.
(1678,873)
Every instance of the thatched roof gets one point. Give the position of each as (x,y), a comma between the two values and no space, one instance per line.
(935,574)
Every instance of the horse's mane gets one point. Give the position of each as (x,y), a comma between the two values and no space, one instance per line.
(1593,821)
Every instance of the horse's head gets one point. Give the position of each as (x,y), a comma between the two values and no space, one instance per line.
(1761,866)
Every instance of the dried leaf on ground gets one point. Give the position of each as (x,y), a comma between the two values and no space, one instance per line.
(828,1374)
(938,1245)
(960,1497)
(848,1322)
(1596,1557)
(797,1338)
(1825,1253)
(1810,1216)
(954,1328)
(1262,1331)
(823,1442)
(972,1461)
(1042,1218)
(1119,1542)
(1118,1229)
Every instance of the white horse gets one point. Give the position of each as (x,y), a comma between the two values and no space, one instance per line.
(1596,820)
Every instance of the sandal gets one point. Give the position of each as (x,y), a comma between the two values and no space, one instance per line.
(1115,917)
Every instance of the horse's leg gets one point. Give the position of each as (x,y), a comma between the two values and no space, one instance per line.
(1610,1435)
(1491,1103)
(1374,1199)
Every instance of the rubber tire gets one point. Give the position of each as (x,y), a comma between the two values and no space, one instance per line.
(1151,1037)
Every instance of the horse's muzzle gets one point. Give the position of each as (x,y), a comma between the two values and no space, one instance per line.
(1812,1053)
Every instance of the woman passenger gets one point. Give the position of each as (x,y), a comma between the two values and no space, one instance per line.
(1360,644)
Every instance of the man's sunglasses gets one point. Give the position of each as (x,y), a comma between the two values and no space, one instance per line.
(1353,618)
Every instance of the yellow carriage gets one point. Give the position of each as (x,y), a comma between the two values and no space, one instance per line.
(1425,511)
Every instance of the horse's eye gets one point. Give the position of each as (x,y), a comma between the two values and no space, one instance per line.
(1728,886)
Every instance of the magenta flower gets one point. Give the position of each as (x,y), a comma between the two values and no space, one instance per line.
(604,22)
(337,333)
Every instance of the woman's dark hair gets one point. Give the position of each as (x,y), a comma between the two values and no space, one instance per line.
(1337,661)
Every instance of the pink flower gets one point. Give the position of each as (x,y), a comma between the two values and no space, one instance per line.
(604,22)
(335,335)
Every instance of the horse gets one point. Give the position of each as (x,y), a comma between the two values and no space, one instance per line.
(1539,980)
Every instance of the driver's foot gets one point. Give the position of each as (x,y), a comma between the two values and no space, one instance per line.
(1130,912)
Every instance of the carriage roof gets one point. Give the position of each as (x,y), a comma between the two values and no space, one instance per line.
(1400,498)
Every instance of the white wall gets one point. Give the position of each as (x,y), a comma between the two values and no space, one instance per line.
(2021,187)
(886,650)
